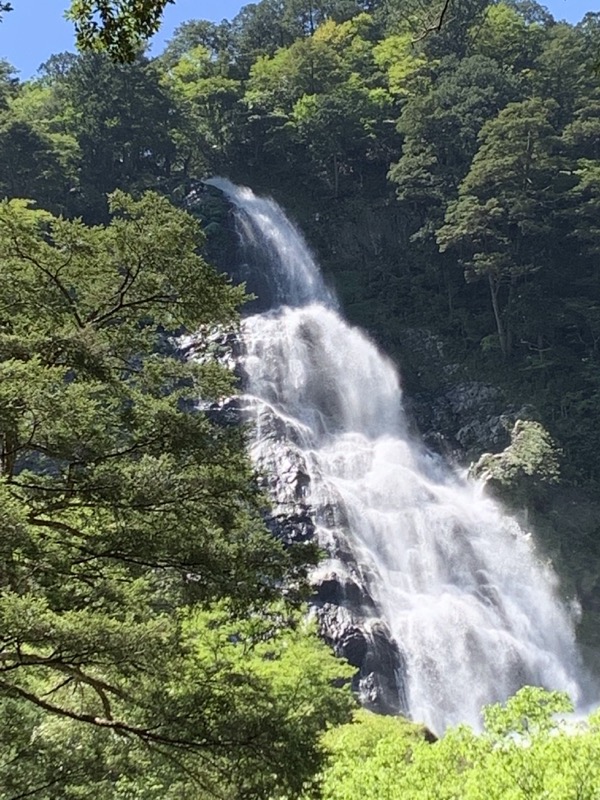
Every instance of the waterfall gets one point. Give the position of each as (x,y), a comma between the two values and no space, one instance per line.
(471,606)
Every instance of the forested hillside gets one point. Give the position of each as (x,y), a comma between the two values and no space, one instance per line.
(447,172)
(448,183)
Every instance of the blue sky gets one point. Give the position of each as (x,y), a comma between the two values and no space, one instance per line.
(36,28)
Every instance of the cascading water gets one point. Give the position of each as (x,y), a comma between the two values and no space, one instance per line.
(458,584)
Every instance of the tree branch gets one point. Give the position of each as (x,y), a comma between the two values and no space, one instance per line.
(122,306)
(32,792)
(75,673)
(118,726)
(437,26)
(54,278)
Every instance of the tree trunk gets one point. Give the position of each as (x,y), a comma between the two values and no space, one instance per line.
(494,287)
(8,455)
(509,332)
(336,176)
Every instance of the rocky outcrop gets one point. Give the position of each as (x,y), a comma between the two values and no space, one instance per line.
(523,472)
(456,416)
(465,419)
(369,647)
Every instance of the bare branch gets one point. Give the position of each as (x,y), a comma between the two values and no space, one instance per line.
(437,26)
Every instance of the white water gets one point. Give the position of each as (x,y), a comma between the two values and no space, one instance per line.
(459,584)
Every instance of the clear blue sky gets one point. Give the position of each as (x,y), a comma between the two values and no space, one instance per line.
(36,28)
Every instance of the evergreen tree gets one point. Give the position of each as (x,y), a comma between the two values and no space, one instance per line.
(142,621)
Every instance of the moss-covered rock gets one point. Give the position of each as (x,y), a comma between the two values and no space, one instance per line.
(522,473)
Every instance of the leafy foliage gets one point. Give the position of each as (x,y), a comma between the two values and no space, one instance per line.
(525,751)
(140,599)
(117,26)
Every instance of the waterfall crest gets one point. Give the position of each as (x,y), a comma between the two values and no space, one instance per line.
(472,608)
(264,228)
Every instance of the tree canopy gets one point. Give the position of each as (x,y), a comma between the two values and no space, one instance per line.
(525,752)
(143,627)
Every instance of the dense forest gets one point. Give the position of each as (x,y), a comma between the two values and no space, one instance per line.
(449,183)
(447,171)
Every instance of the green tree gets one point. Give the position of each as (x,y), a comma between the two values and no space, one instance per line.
(140,591)
(501,221)
(216,39)
(524,753)
(31,166)
(122,120)
(312,97)
(260,29)
(35,159)
(564,71)
(441,125)
(338,128)
(116,26)
(508,37)
(209,111)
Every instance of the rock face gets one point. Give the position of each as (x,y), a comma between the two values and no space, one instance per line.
(464,419)
(456,416)
(346,613)
(366,646)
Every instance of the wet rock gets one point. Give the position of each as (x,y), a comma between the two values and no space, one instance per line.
(302,482)
(222,345)
(456,416)
(341,628)
(284,473)
(462,420)
(295,528)
(342,590)
(354,647)
(229,412)
(371,649)
(386,665)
